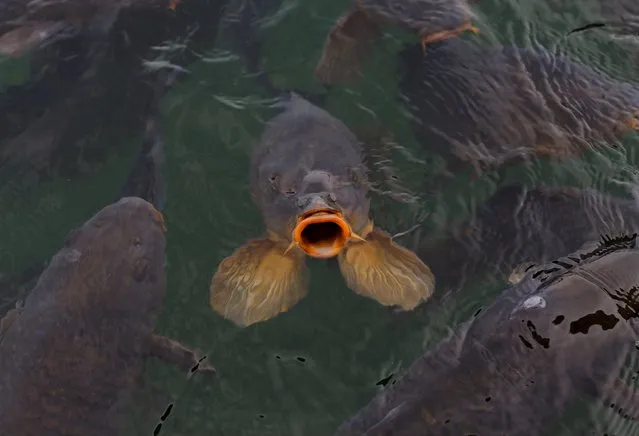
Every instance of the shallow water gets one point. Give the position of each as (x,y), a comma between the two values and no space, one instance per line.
(305,371)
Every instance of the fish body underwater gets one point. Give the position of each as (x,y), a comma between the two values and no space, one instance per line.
(26,25)
(310,185)
(518,225)
(349,40)
(486,107)
(563,331)
(71,355)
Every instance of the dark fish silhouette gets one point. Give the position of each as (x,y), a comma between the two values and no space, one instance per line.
(519,225)
(565,330)
(28,24)
(70,357)
(349,39)
(146,179)
(489,107)
(311,187)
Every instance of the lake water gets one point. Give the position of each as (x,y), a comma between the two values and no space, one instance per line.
(305,371)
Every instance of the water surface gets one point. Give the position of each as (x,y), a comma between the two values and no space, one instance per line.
(305,371)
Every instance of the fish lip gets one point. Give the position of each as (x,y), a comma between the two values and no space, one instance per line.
(322,249)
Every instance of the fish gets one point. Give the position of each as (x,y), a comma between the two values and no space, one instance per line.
(565,330)
(27,25)
(147,179)
(309,183)
(349,41)
(70,356)
(485,108)
(518,226)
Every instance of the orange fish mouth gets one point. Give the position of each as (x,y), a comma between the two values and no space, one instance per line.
(322,233)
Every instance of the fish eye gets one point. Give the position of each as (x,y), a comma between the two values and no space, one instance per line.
(273,182)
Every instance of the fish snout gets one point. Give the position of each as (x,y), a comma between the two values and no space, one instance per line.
(321,230)
(321,200)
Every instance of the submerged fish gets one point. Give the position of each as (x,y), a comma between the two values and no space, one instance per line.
(310,185)
(518,225)
(349,39)
(564,331)
(70,357)
(487,107)
(28,24)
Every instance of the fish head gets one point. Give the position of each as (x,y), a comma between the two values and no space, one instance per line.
(318,210)
(119,258)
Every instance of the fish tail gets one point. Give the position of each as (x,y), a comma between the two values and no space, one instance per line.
(386,272)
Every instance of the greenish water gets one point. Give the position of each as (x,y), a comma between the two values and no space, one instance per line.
(305,371)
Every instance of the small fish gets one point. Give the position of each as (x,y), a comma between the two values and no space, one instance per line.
(348,42)
(310,184)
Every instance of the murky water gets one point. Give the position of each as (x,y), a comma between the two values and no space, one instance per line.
(307,370)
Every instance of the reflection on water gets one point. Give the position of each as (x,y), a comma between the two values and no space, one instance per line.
(504,154)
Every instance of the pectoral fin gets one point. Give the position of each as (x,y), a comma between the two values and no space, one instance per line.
(380,269)
(260,280)
(345,48)
(177,354)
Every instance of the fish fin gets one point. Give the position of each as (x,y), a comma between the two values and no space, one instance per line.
(258,281)
(519,272)
(386,272)
(8,319)
(174,353)
(345,48)
(29,37)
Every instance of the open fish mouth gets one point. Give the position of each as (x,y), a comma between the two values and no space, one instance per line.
(322,233)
